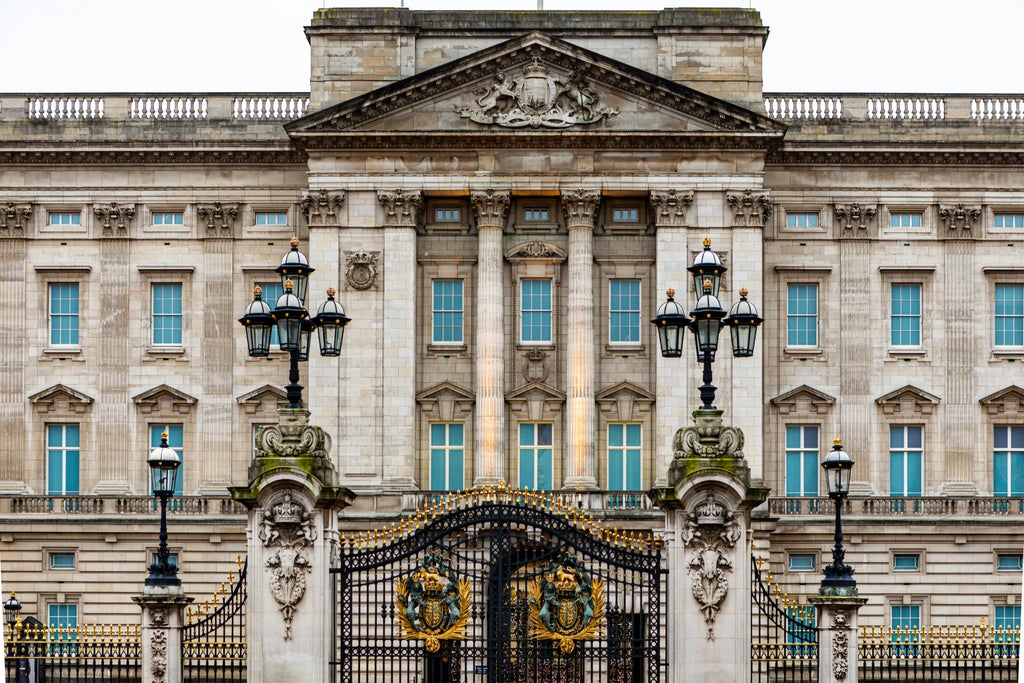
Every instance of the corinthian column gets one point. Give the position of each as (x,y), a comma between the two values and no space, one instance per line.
(579,208)
(491,209)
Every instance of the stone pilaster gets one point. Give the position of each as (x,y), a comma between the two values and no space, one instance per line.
(669,209)
(857,409)
(13,340)
(293,501)
(837,637)
(490,466)
(218,359)
(960,421)
(580,208)
(162,621)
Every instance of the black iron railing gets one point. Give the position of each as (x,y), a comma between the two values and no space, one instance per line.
(784,637)
(214,644)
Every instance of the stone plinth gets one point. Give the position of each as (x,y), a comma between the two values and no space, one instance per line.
(162,621)
(837,636)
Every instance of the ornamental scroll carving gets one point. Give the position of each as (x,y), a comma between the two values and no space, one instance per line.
(580,207)
(537,98)
(361,269)
(287,530)
(321,207)
(220,218)
(959,217)
(840,645)
(292,439)
(708,438)
(401,209)
(670,207)
(15,218)
(115,218)
(855,217)
(710,534)
(158,649)
(749,210)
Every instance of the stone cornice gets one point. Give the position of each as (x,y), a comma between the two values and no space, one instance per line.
(894,156)
(169,155)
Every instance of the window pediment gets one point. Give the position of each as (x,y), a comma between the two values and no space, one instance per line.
(446,402)
(1008,402)
(803,400)
(535,401)
(266,398)
(908,400)
(624,401)
(164,399)
(60,399)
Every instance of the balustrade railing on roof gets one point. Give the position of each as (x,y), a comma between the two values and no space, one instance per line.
(118,505)
(853,107)
(880,506)
(241,107)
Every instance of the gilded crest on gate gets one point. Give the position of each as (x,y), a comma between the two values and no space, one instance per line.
(432,604)
(566,605)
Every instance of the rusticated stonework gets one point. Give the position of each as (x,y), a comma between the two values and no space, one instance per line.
(670,207)
(321,207)
(749,209)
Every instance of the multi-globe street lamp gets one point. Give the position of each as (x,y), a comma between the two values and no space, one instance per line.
(163,469)
(838,466)
(706,320)
(294,324)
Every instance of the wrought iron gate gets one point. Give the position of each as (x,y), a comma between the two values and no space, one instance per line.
(214,647)
(784,638)
(499,586)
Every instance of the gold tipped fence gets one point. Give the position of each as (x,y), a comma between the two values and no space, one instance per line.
(94,652)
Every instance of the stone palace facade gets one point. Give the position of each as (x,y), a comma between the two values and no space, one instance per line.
(502,200)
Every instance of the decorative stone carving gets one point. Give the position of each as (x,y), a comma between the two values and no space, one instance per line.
(710,534)
(116,218)
(749,210)
(287,529)
(491,207)
(536,250)
(959,217)
(537,98)
(158,648)
(321,207)
(670,207)
(536,369)
(402,209)
(292,439)
(708,438)
(15,218)
(840,645)
(854,217)
(220,218)
(361,269)
(580,207)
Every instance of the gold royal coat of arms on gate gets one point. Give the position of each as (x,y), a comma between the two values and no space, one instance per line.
(433,605)
(566,605)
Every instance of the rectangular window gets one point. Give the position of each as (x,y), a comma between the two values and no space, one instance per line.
(624,312)
(1008,460)
(1009,562)
(801,562)
(64,314)
(62,616)
(167,314)
(625,445)
(446,312)
(1007,618)
(626,214)
(272,291)
(535,312)
(172,558)
(271,218)
(536,214)
(802,219)
(906,562)
(168,218)
(905,220)
(1009,315)
(65,218)
(802,460)
(802,315)
(1008,220)
(62,459)
(535,456)
(62,560)
(905,318)
(447,214)
(447,456)
(175,439)
(905,621)
(906,448)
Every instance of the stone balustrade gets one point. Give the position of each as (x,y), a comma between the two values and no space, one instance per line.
(884,506)
(617,501)
(851,107)
(242,107)
(201,506)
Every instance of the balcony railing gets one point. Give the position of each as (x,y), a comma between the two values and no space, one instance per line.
(881,506)
(118,505)
(240,107)
(618,501)
(851,107)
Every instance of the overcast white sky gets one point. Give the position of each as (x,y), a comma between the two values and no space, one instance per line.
(139,46)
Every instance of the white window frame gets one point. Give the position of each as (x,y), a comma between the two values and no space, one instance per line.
(638,312)
(550,310)
(435,312)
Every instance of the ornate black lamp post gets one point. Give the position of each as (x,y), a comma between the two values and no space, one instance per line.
(163,469)
(706,320)
(837,466)
(12,609)
(294,324)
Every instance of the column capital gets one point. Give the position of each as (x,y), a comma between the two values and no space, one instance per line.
(402,208)
(491,208)
(321,206)
(580,207)
(670,207)
(750,208)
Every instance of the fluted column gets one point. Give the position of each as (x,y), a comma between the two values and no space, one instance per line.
(491,209)
(579,208)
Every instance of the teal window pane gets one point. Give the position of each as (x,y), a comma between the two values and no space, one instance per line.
(1008,461)
(1009,563)
(906,474)
(175,440)
(62,560)
(625,460)
(802,460)
(545,479)
(167,321)
(272,291)
(64,304)
(1007,618)
(802,315)
(905,220)
(271,218)
(527,478)
(615,435)
(616,469)
(447,311)
(62,459)
(447,456)
(906,617)
(536,214)
(634,480)
(626,215)
(1009,310)
(535,456)
(1008,220)
(801,220)
(801,562)
(906,563)
(624,311)
(906,315)
(438,470)
(62,616)
(535,311)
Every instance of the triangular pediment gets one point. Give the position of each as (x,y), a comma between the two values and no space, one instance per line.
(267,398)
(60,398)
(624,402)
(446,401)
(803,400)
(534,85)
(165,399)
(908,399)
(445,390)
(1008,401)
(535,391)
